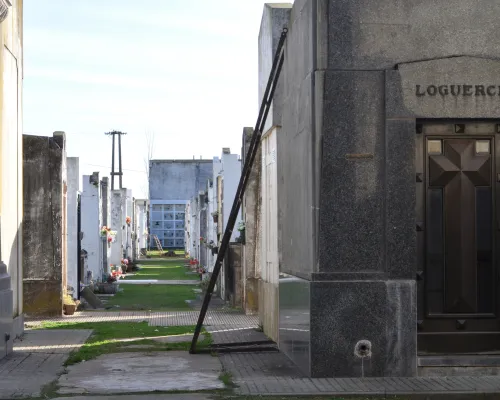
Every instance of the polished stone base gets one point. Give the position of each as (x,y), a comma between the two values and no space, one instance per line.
(349,328)
(268,308)
(294,320)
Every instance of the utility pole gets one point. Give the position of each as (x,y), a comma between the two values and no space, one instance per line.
(120,172)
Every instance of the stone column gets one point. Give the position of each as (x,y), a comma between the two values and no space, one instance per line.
(105,219)
(128,228)
(43,269)
(275,17)
(347,183)
(142,226)
(203,228)
(72,222)
(251,216)
(91,225)
(59,137)
(117,222)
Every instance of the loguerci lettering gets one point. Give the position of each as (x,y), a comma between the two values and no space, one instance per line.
(457,90)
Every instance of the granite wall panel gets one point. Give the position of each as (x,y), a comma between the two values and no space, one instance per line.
(352,226)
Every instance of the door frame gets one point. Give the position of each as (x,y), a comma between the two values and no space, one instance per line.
(436,334)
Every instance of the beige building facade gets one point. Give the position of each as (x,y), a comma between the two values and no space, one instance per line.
(11,161)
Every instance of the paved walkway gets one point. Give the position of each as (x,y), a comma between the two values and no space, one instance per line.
(174,318)
(165,396)
(37,361)
(272,373)
(136,372)
(255,373)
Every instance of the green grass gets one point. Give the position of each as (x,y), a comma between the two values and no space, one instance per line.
(106,337)
(227,379)
(158,253)
(163,270)
(152,297)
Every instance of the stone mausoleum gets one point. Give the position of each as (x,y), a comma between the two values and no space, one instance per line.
(389,185)
(172,184)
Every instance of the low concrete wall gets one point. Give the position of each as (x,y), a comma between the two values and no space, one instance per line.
(42,231)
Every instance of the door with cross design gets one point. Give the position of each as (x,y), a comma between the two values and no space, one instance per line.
(457,273)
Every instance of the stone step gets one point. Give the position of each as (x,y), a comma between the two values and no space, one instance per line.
(459,365)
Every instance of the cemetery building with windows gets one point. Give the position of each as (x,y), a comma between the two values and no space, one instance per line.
(172,184)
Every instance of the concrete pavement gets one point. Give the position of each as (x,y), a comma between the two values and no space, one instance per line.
(143,372)
(37,361)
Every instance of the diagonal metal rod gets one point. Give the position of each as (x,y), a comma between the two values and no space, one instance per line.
(278,60)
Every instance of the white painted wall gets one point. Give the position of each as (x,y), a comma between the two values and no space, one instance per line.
(194,229)
(129,212)
(269,209)
(211,227)
(72,224)
(11,156)
(117,222)
(91,226)
(141,223)
(187,229)
(231,173)
(213,206)
(105,220)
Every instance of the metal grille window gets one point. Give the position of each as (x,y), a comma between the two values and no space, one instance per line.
(167,222)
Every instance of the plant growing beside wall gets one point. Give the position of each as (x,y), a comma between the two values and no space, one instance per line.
(241,229)
(69,305)
(205,282)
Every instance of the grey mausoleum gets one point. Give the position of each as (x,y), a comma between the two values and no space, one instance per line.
(388,171)
(172,184)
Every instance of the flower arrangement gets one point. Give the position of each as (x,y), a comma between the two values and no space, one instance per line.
(111,278)
(202,270)
(107,233)
(128,220)
(241,226)
(124,265)
(114,275)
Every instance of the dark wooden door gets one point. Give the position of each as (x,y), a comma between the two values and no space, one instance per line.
(457,236)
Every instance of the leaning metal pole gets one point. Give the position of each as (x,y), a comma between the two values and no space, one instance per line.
(247,168)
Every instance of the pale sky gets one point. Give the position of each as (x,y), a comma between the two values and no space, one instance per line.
(185,70)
